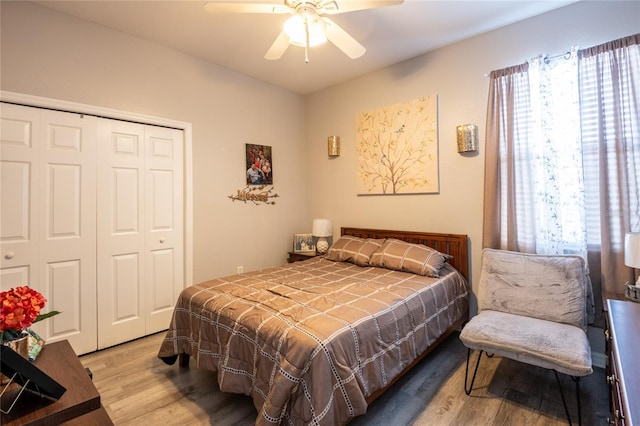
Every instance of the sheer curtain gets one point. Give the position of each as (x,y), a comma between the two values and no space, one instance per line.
(557,156)
(561,163)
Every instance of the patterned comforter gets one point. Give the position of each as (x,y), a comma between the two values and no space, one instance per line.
(309,341)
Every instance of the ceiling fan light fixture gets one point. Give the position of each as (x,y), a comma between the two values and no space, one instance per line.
(294,28)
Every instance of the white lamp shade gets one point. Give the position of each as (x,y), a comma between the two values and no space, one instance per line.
(322,228)
(296,28)
(632,249)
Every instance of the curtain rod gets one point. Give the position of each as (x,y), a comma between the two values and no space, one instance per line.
(565,55)
(547,58)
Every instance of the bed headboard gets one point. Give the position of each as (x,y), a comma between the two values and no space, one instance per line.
(455,245)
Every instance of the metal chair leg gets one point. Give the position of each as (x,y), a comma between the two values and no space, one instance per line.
(564,402)
(467,390)
(577,380)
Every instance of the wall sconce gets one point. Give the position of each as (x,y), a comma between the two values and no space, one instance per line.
(467,137)
(333,146)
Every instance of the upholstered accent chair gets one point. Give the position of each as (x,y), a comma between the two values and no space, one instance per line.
(533,309)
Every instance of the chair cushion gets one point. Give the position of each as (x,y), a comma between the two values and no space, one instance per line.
(561,347)
(547,287)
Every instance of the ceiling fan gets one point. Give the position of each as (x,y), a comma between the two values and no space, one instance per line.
(307,27)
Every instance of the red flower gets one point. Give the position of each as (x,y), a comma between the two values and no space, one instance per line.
(20,308)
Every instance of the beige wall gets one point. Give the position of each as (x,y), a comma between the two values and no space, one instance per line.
(456,74)
(48,54)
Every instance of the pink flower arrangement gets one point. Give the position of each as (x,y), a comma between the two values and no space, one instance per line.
(20,308)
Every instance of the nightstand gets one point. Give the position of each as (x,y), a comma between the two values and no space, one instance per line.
(297,257)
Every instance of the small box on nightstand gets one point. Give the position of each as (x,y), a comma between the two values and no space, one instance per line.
(632,292)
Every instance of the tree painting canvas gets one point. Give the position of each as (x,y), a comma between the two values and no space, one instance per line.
(397,148)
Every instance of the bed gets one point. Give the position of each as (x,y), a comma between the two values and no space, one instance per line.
(314,342)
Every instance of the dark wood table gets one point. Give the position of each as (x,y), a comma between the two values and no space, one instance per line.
(80,402)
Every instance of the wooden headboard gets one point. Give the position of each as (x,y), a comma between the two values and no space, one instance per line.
(455,245)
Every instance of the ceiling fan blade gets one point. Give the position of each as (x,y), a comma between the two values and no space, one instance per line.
(332,7)
(278,47)
(246,6)
(343,41)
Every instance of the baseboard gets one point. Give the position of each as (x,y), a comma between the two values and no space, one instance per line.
(598,359)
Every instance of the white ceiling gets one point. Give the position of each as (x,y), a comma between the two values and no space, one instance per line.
(239,41)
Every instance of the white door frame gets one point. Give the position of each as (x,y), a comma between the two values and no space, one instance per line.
(57,104)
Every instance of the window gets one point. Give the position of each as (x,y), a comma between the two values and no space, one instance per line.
(562,173)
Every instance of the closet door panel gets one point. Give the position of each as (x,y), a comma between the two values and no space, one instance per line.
(164,224)
(162,297)
(63,281)
(67,227)
(126,206)
(126,287)
(63,201)
(121,247)
(18,221)
(15,187)
(15,276)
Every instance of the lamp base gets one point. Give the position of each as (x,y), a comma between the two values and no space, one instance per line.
(322,246)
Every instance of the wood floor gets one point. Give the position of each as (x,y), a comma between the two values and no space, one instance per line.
(138,388)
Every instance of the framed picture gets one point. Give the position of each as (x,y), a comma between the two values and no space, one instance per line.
(303,243)
(259,164)
(397,149)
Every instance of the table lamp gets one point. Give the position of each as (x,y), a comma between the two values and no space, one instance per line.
(321,230)
(632,259)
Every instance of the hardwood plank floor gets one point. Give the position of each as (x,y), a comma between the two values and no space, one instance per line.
(137,388)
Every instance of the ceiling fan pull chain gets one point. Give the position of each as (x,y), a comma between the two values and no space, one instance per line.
(306,36)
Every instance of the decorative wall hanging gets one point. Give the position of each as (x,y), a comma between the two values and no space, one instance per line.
(397,148)
(259,165)
(255,194)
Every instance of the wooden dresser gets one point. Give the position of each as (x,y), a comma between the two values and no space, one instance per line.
(623,366)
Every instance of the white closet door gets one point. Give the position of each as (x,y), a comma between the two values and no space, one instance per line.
(121,234)
(67,227)
(140,229)
(164,277)
(57,196)
(92,217)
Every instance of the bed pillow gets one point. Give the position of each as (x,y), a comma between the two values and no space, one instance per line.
(353,249)
(407,257)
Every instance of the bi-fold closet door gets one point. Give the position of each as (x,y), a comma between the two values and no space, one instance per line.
(140,229)
(91,216)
